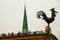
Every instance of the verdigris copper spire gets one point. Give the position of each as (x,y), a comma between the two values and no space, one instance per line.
(25,24)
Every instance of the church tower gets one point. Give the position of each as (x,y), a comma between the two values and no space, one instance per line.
(25,24)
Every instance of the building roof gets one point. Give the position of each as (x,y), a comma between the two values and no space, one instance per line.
(30,35)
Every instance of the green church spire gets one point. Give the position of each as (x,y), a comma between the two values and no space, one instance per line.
(25,25)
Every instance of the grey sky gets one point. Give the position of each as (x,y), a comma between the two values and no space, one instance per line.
(11,15)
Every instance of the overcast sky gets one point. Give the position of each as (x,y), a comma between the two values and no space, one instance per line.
(12,11)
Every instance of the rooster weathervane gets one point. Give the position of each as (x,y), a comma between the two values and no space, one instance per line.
(47,19)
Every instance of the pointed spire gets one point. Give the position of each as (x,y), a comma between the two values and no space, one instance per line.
(25,25)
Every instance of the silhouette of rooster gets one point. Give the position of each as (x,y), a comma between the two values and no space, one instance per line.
(48,20)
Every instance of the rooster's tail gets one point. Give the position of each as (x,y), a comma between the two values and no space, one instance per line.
(40,13)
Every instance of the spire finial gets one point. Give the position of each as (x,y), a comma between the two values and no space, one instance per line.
(25,25)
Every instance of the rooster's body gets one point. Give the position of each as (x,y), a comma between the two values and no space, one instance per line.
(48,20)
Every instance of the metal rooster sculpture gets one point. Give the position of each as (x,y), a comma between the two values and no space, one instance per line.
(48,20)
